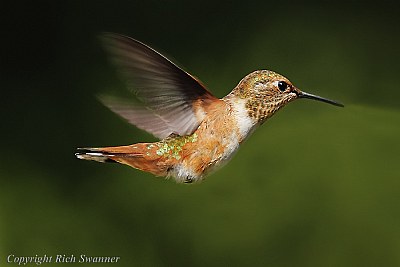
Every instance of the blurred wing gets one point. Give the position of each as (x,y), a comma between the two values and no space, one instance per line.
(141,116)
(169,95)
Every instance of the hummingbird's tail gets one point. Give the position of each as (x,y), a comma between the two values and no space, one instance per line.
(136,156)
(95,154)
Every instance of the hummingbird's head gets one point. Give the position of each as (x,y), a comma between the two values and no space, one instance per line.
(265,92)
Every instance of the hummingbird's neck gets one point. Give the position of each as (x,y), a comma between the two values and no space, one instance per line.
(246,124)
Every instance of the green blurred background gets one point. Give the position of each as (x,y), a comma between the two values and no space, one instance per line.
(315,186)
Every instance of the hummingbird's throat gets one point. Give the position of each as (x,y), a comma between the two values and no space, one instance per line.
(262,109)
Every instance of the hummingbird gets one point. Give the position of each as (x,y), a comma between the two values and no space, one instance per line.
(198,132)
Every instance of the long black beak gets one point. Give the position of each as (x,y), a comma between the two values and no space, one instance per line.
(318,98)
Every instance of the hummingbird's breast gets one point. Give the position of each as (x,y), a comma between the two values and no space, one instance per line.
(214,142)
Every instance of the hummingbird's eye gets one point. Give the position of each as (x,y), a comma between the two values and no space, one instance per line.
(282,86)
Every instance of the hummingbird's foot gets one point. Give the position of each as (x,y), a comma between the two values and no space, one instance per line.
(188,180)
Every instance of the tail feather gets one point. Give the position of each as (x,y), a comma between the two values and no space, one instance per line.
(139,156)
(93,154)
(109,154)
